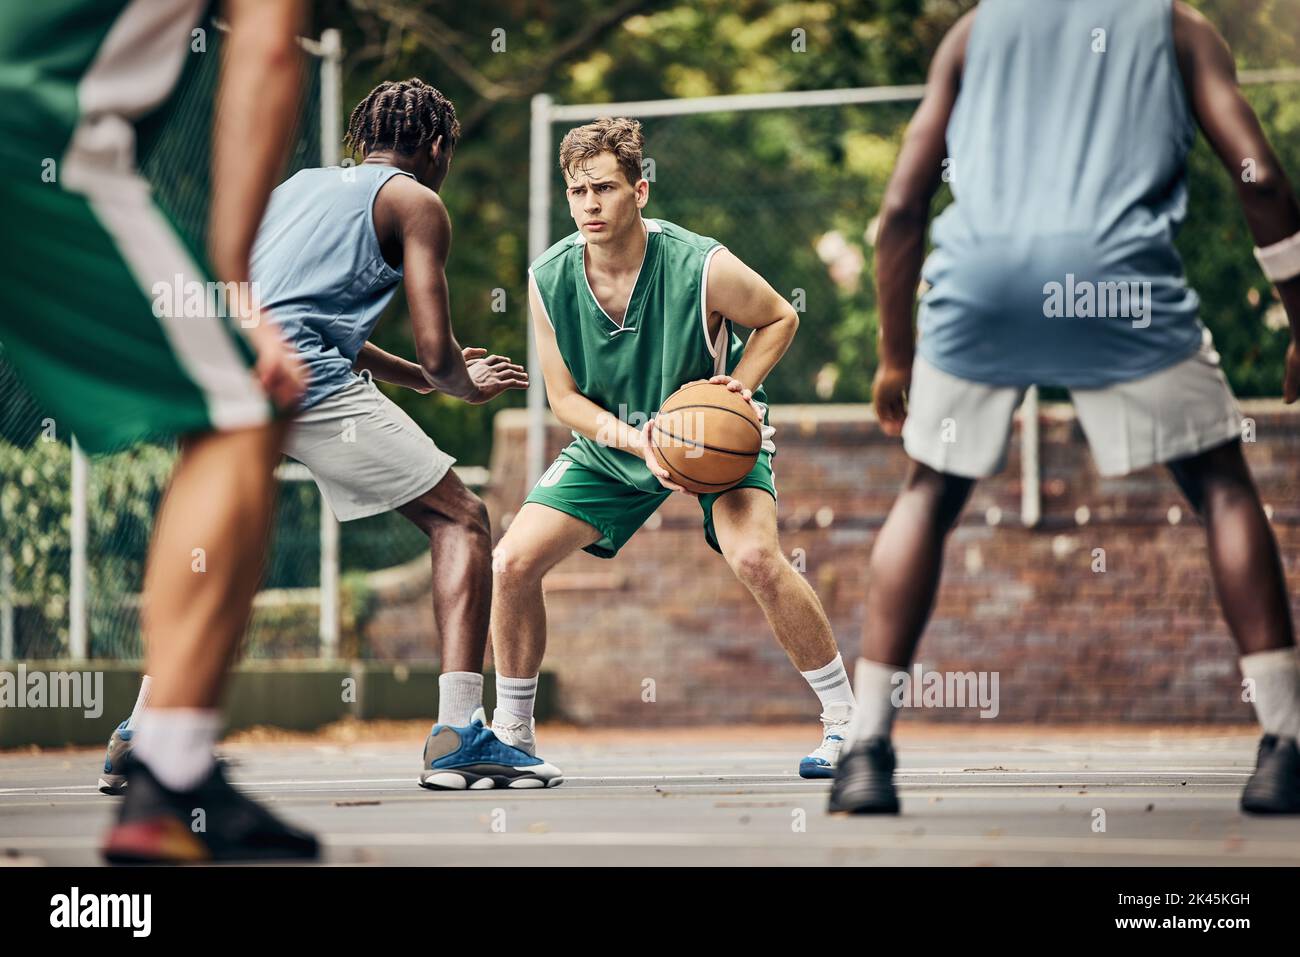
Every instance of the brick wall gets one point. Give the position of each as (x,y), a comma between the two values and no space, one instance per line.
(1142,641)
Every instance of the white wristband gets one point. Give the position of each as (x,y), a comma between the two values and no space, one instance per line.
(1281,261)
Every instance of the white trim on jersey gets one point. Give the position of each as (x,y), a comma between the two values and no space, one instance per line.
(532,285)
(134,71)
(715,348)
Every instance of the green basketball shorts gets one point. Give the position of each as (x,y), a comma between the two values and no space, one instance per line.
(616,509)
(107,311)
(80,275)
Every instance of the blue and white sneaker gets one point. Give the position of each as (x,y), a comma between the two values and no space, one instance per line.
(113,781)
(474,758)
(822,761)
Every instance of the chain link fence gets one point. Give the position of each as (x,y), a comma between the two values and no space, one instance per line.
(792,186)
(792,183)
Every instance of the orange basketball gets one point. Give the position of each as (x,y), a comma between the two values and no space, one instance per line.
(707,437)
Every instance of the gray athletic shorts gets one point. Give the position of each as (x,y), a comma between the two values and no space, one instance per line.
(366,455)
(963,428)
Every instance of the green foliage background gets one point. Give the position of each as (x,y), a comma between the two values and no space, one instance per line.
(768,185)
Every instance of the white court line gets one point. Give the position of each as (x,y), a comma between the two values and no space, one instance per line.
(713,780)
(1098,846)
(918,792)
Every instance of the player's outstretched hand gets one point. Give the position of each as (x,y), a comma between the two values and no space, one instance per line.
(658,471)
(735,385)
(492,374)
(889,393)
(1291,383)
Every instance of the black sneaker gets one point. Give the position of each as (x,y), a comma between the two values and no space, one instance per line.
(1274,788)
(864,779)
(157,825)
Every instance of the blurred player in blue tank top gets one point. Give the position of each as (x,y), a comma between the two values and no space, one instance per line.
(1064,128)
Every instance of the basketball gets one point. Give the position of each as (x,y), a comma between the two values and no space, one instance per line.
(707,437)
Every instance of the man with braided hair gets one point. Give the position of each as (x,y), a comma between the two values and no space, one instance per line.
(330,253)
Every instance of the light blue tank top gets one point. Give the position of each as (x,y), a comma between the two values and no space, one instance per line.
(1055,264)
(319,269)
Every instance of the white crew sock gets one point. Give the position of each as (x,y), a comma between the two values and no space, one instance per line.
(831,682)
(874,715)
(460,694)
(141,702)
(1276,676)
(176,744)
(517,695)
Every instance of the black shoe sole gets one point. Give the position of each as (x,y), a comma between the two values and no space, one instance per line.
(881,805)
(242,857)
(1290,804)
(499,780)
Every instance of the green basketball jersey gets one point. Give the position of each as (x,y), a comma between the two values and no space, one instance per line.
(65,61)
(663,343)
(80,80)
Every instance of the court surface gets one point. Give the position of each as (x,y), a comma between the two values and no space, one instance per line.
(1013,795)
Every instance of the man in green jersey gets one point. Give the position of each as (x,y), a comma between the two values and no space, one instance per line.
(89,267)
(626,311)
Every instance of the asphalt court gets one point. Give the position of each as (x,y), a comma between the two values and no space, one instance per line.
(971,796)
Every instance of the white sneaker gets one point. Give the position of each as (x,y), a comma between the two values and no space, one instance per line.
(515,731)
(835,729)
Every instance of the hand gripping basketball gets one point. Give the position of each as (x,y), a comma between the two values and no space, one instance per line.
(707,437)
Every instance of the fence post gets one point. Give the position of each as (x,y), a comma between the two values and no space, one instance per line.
(331,97)
(1031,502)
(539,224)
(77,583)
(331,112)
(6,606)
(329,582)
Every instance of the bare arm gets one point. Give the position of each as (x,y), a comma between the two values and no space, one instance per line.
(904,218)
(1233,131)
(570,406)
(424,229)
(387,367)
(395,370)
(256,113)
(743,296)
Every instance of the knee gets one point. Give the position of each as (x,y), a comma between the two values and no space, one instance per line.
(941,495)
(514,567)
(467,516)
(1223,497)
(759,568)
